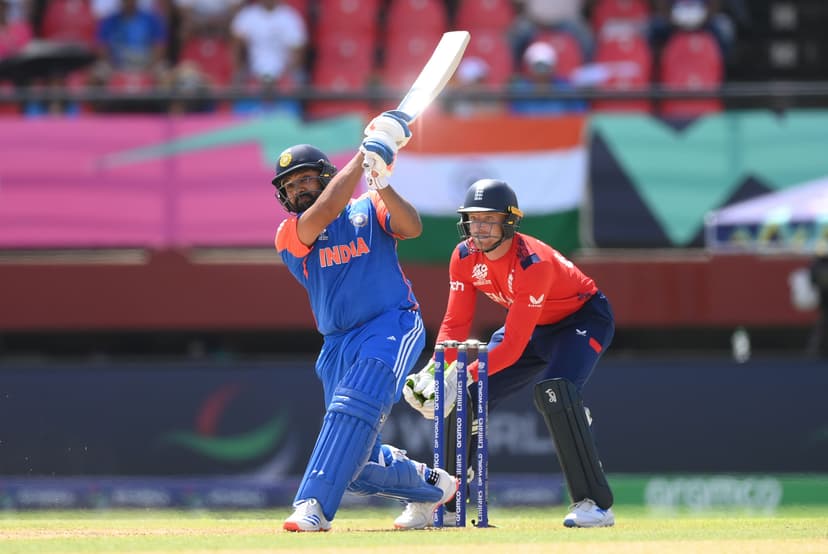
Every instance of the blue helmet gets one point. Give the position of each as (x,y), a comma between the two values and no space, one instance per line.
(490,195)
(301,156)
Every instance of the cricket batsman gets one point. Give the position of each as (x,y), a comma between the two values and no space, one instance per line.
(344,252)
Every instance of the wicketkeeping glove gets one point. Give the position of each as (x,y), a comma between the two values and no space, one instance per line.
(419,390)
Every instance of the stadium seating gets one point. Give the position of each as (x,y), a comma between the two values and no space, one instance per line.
(8,108)
(353,16)
(492,47)
(213,57)
(405,55)
(69,20)
(610,15)
(350,50)
(633,51)
(336,78)
(691,60)
(130,81)
(477,15)
(569,53)
(301,6)
(407,16)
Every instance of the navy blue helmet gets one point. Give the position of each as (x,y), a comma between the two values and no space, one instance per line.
(301,156)
(490,195)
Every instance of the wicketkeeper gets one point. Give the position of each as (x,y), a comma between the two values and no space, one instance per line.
(557,327)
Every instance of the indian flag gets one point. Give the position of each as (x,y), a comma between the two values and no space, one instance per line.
(543,159)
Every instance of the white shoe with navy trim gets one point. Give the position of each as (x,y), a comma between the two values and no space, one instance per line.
(587,514)
(419,515)
(307,517)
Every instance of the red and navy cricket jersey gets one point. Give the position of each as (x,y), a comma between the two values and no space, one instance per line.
(533,281)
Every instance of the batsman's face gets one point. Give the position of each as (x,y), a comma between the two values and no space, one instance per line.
(486,228)
(302,188)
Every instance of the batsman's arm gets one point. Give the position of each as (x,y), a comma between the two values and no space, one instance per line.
(331,201)
(405,220)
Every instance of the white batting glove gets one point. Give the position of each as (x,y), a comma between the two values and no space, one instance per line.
(384,136)
(379,154)
(392,124)
(376,183)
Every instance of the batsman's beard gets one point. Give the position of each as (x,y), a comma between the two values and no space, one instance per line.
(305,200)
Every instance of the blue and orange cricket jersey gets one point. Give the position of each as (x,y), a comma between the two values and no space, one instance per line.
(352,273)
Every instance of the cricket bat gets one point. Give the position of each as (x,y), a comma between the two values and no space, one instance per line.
(435,74)
(431,80)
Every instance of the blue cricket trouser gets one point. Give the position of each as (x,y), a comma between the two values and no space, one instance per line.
(569,349)
(363,372)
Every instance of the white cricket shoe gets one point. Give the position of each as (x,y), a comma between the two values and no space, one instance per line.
(307,517)
(587,514)
(418,515)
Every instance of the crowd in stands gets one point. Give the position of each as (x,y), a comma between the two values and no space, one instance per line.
(525,46)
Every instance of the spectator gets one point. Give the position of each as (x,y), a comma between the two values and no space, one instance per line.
(18,10)
(14,33)
(132,39)
(269,39)
(187,77)
(104,8)
(166,9)
(206,18)
(691,15)
(819,278)
(471,77)
(205,60)
(540,77)
(809,292)
(132,46)
(536,16)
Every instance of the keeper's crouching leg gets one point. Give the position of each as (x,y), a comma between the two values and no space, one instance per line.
(561,406)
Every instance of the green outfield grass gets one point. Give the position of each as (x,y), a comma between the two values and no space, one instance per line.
(528,530)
